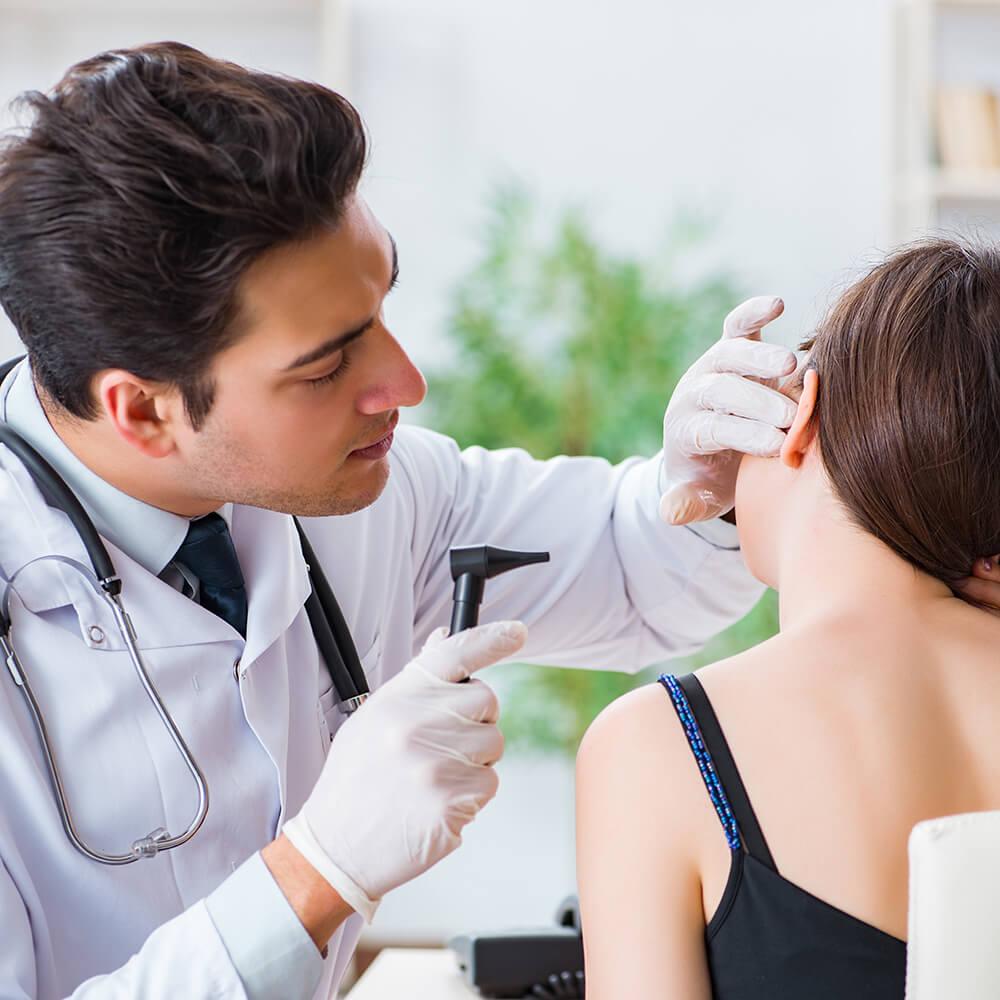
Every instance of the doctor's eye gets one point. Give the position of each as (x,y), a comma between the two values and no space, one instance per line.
(317,383)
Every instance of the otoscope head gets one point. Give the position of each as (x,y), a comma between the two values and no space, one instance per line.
(471,567)
(486,562)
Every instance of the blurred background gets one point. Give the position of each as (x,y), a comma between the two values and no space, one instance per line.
(580,191)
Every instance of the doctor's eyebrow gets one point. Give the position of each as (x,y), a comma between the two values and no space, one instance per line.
(334,344)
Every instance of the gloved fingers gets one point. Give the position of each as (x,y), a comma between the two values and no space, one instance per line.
(436,637)
(451,747)
(474,701)
(476,787)
(707,433)
(686,503)
(749,357)
(479,744)
(751,316)
(479,702)
(736,395)
(461,792)
(458,656)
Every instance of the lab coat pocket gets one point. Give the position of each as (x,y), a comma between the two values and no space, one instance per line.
(330,716)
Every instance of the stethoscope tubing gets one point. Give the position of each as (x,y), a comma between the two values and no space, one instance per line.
(158,839)
(333,637)
(58,494)
(329,627)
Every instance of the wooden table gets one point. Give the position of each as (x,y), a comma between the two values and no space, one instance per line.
(412,974)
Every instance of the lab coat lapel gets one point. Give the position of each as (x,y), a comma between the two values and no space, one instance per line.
(162,616)
(277,583)
(274,573)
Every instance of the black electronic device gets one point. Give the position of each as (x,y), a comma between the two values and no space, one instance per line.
(543,962)
(471,567)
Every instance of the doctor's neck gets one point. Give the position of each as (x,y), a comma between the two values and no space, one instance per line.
(138,458)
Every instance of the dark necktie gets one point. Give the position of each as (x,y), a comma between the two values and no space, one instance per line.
(208,552)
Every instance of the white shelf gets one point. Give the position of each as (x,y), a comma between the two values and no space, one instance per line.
(980,185)
(79,7)
(925,195)
(951,185)
(979,4)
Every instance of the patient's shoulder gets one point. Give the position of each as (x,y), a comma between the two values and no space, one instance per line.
(641,728)
(636,752)
(636,729)
(635,759)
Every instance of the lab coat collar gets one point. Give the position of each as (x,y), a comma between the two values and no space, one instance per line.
(152,536)
(274,572)
(276,580)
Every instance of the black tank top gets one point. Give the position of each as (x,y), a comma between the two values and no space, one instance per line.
(769,939)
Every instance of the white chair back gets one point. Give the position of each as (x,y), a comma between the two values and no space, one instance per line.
(954,909)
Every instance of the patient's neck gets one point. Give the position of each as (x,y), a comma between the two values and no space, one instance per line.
(829,569)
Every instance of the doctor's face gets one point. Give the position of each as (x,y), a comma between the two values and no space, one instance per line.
(308,396)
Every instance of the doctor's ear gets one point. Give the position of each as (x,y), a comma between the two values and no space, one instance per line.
(800,435)
(142,412)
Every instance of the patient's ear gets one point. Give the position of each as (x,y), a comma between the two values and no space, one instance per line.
(800,435)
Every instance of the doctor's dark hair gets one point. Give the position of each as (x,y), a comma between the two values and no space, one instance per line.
(909,404)
(147,182)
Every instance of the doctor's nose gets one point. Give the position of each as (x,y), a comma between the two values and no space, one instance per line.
(396,381)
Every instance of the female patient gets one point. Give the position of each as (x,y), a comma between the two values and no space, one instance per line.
(746,836)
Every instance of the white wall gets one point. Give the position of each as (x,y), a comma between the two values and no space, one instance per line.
(772,116)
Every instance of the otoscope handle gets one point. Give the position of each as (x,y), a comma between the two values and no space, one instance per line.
(463,616)
(467,598)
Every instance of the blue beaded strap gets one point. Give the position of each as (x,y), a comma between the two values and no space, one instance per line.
(704,760)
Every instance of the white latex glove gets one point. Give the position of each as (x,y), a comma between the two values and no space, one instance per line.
(716,413)
(408,769)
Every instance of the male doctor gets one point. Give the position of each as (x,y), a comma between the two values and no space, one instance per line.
(200,289)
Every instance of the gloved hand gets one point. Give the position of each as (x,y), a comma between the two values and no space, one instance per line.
(716,413)
(408,769)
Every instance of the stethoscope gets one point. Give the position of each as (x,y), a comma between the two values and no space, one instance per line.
(325,617)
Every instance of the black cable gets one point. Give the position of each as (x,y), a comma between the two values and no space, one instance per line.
(330,629)
(563,986)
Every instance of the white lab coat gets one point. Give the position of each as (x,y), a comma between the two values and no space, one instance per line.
(622,590)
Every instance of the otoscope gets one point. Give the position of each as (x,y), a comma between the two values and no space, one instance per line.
(471,567)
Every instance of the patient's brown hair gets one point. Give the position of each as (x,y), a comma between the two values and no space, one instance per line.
(909,403)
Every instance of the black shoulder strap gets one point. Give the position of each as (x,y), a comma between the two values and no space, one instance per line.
(725,767)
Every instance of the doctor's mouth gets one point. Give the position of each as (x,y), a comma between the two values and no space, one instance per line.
(380,448)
